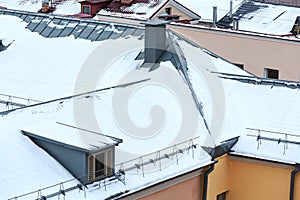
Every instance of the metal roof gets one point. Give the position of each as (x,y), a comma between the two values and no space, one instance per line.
(50,26)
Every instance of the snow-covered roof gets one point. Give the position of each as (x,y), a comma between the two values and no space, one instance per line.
(263,18)
(65,7)
(71,47)
(142,10)
(68,134)
(193,98)
(205,8)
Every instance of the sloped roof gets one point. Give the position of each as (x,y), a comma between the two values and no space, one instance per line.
(137,9)
(192,98)
(67,134)
(205,8)
(59,50)
(69,34)
(263,18)
(66,7)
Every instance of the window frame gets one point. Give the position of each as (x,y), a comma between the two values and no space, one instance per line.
(168,10)
(222,196)
(89,9)
(107,165)
(271,73)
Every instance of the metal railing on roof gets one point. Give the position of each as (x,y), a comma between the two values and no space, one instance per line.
(278,137)
(11,101)
(166,156)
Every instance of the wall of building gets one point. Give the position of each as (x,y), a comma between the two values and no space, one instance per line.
(297,187)
(187,190)
(248,179)
(73,160)
(174,11)
(188,186)
(253,51)
(257,181)
(218,181)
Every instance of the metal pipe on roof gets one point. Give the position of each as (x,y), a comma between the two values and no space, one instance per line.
(215,11)
(230,10)
(205,182)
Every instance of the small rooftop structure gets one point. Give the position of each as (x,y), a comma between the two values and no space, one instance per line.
(79,150)
(91,7)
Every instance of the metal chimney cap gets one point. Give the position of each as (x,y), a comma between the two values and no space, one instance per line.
(155,22)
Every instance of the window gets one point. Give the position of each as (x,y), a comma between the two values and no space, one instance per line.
(271,73)
(86,10)
(241,66)
(168,10)
(100,165)
(221,196)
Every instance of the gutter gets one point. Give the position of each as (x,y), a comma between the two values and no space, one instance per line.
(292,185)
(205,184)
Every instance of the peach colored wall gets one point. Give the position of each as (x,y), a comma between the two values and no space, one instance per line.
(255,181)
(218,181)
(187,190)
(297,187)
(255,52)
(174,11)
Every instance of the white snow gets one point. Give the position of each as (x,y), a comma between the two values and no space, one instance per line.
(271,19)
(156,113)
(142,11)
(66,7)
(39,68)
(204,8)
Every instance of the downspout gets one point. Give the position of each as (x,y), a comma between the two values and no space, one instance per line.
(292,185)
(212,167)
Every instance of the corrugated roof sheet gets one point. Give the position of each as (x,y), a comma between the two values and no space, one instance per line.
(58,26)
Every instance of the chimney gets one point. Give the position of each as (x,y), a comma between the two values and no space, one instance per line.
(230,10)
(45,6)
(155,40)
(215,10)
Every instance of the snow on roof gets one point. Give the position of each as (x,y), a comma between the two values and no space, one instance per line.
(65,7)
(136,9)
(205,8)
(66,53)
(199,103)
(68,134)
(264,18)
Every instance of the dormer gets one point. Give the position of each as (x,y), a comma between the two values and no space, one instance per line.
(91,7)
(296,28)
(89,156)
